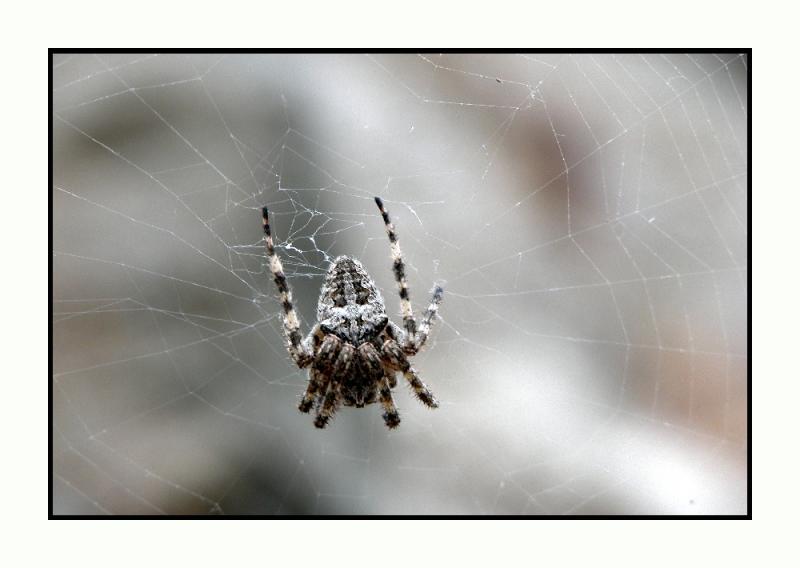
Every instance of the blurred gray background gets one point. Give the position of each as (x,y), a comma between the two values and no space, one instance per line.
(586,214)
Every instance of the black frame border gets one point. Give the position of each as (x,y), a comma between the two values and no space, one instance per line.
(747,51)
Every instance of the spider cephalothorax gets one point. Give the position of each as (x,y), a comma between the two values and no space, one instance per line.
(354,352)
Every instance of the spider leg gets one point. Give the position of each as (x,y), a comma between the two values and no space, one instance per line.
(401,337)
(325,358)
(430,314)
(398,359)
(393,331)
(291,324)
(390,415)
(399,268)
(329,405)
(344,361)
(371,359)
(316,382)
(316,379)
(321,372)
(372,369)
(320,397)
(420,389)
(332,350)
(398,335)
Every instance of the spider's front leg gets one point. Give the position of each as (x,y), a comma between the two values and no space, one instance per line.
(299,352)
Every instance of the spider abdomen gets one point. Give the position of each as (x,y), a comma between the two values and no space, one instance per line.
(347,284)
(350,304)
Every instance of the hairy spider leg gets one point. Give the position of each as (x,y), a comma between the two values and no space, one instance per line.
(335,359)
(427,318)
(316,381)
(291,323)
(326,356)
(333,399)
(328,407)
(399,268)
(420,389)
(396,357)
(320,397)
(390,415)
(371,358)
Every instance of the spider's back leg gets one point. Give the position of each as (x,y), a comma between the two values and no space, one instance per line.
(414,340)
(291,323)
(399,268)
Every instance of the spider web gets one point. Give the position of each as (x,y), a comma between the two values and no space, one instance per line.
(587,215)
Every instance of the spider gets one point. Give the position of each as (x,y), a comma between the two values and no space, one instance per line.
(353,351)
